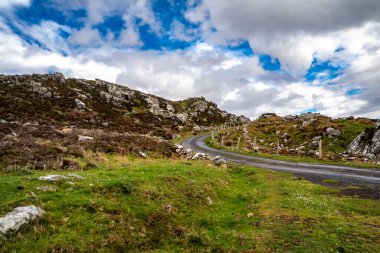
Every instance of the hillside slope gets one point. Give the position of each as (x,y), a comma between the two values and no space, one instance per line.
(44,118)
(300,135)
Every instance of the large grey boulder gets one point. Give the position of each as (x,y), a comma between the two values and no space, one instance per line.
(366,144)
(12,221)
(332,132)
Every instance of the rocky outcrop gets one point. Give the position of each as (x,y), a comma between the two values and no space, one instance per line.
(12,222)
(366,144)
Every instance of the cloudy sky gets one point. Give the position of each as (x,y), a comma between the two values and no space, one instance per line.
(248,56)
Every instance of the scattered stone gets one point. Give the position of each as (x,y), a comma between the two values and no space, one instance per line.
(52,178)
(12,221)
(46,188)
(105,124)
(250,215)
(218,161)
(317,138)
(209,201)
(199,156)
(31,195)
(2,121)
(80,104)
(169,208)
(143,154)
(76,176)
(85,138)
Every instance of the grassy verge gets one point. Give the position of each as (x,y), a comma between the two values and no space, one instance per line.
(128,204)
(290,158)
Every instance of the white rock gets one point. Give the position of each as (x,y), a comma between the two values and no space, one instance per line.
(52,178)
(12,222)
(142,154)
(80,104)
(85,138)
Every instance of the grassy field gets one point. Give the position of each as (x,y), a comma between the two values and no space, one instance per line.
(165,205)
(292,158)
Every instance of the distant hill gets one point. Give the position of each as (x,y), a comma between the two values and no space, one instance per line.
(300,135)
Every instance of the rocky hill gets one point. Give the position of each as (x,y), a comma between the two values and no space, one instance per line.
(45,118)
(300,135)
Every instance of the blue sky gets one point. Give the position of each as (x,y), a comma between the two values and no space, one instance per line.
(245,55)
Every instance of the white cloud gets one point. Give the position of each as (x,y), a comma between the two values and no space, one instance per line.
(85,36)
(11,3)
(295,32)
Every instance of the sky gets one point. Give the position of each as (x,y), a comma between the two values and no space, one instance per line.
(248,56)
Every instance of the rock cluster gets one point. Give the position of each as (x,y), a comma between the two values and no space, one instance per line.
(12,222)
(366,144)
(190,155)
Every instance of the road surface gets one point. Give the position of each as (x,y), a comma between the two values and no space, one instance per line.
(313,172)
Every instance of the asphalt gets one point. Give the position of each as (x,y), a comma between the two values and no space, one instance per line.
(312,172)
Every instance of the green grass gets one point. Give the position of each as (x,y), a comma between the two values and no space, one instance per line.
(292,158)
(120,206)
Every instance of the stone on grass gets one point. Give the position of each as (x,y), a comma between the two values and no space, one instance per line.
(142,154)
(218,161)
(76,176)
(52,178)
(12,221)
(85,138)
(209,201)
(46,188)
(332,132)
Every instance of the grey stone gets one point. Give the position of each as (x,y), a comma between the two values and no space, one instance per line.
(142,154)
(52,178)
(80,104)
(85,138)
(12,221)
(332,132)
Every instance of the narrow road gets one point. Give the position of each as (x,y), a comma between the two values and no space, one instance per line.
(313,172)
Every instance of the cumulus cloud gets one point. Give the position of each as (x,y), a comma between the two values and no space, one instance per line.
(11,3)
(296,32)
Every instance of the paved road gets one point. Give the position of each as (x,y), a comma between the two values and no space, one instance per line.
(313,172)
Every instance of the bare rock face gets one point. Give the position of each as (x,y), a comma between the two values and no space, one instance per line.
(12,222)
(366,144)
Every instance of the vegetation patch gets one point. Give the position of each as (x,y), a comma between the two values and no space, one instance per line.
(163,205)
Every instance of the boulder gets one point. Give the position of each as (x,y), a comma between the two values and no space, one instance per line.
(12,221)
(332,132)
(218,161)
(366,144)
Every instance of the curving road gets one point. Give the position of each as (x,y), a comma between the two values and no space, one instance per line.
(313,172)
